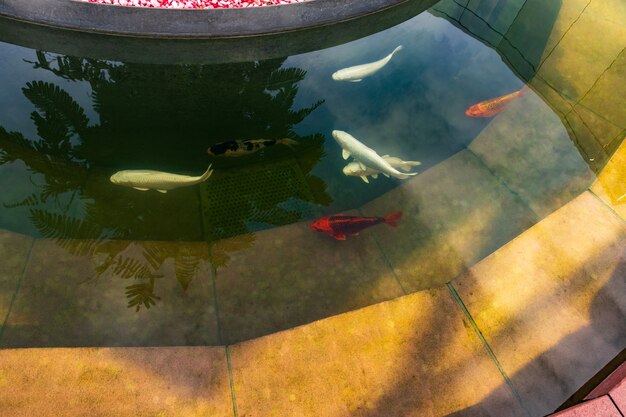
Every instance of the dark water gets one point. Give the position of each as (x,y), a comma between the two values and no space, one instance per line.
(108,260)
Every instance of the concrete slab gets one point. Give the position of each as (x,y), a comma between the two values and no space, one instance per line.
(569,12)
(413,356)
(63,302)
(586,140)
(605,132)
(179,381)
(14,249)
(293,275)
(529,149)
(599,407)
(551,303)
(455,214)
(611,183)
(585,52)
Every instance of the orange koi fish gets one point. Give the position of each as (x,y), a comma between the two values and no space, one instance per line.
(491,107)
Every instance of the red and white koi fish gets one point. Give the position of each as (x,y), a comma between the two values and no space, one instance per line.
(493,106)
(339,226)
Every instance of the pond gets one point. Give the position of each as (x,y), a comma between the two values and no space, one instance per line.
(474,95)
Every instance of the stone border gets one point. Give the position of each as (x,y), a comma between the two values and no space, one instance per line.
(184,23)
(202,51)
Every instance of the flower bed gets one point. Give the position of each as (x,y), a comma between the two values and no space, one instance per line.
(195,4)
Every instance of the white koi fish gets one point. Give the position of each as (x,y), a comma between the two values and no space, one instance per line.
(358,72)
(352,147)
(358,169)
(144,180)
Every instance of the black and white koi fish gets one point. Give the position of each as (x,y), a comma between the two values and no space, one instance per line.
(246,147)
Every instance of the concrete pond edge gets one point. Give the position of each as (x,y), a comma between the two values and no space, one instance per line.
(189,23)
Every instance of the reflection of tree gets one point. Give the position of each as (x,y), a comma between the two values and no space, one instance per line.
(162,117)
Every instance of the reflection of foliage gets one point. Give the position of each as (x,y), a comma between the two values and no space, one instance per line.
(139,294)
(221,248)
(162,117)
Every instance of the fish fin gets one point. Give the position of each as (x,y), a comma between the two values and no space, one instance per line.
(356,81)
(141,189)
(364,178)
(375,176)
(345,154)
(385,156)
(339,236)
(206,174)
(162,191)
(361,165)
(386,175)
(392,218)
(402,176)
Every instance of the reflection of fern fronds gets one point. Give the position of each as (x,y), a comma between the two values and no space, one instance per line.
(299,115)
(155,254)
(11,143)
(76,236)
(187,263)
(56,103)
(126,268)
(220,249)
(72,68)
(31,200)
(54,133)
(139,294)
(284,77)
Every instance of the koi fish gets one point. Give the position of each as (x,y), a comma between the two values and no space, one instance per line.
(491,107)
(358,72)
(357,169)
(144,180)
(339,226)
(245,147)
(352,147)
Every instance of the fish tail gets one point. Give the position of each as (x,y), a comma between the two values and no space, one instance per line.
(206,174)
(393,218)
(398,48)
(288,142)
(407,165)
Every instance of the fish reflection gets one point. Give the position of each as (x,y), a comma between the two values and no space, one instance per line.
(491,107)
(358,169)
(339,226)
(246,147)
(144,180)
(368,157)
(358,72)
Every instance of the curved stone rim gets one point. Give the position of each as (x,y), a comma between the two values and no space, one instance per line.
(203,51)
(185,23)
